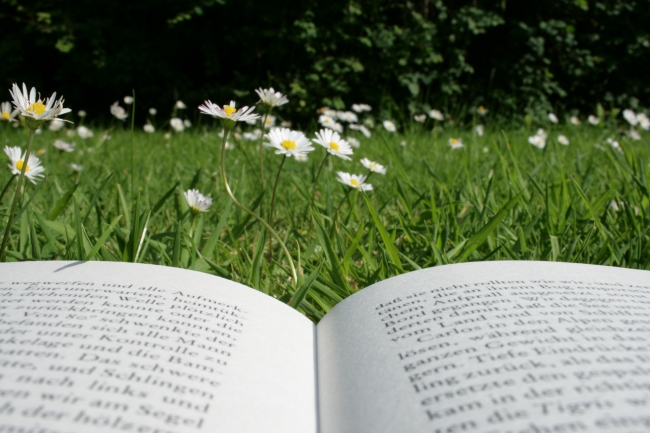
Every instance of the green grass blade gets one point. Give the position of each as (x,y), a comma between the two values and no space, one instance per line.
(103,238)
(62,203)
(390,246)
(300,294)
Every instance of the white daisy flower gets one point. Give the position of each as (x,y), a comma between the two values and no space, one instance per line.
(482,110)
(285,124)
(180,105)
(574,120)
(643,120)
(177,124)
(269,122)
(128,100)
(149,128)
(389,126)
(613,205)
(553,118)
(332,141)
(541,133)
(485,149)
(353,142)
(288,142)
(70,133)
(271,98)
(228,112)
(537,141)
(456,143)
(369,122)
(562,139)
(634,135)
(81,113)
(76,167)
(630,117)
(360,108)
(326,120)
(436,115)
(337,127)
(187,123)
(167,135)
(480,130)
(373,166)
(33,171)
(84,132)
(6,113)
(301,158)
(593,119)
(56,125)
(347,116)
(249,136)
(402,143)
(63,146)
(354,180)
(196,201)
(420,118)
(36,109)
(615,144)
(153,111)
(118,112)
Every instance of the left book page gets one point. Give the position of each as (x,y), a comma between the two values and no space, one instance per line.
(111,347)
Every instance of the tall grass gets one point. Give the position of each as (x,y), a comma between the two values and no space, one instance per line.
(498,198)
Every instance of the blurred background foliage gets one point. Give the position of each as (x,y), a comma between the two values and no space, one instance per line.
(512,56)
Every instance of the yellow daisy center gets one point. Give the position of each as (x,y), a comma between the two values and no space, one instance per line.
(37,108)
(6,115)
(454,141)
(19,166)
(354,182)
(288,144)
(373,166)
(229,110)
(334,146)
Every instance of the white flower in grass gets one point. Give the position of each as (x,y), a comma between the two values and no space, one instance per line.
(269,122)
(187,123)
(149,128)
(480,130)
(482,110)
(180,105)
(403,143)
(56,125)
(389,126)
(332,141)
(118,111)
(228,113)
(613,205)
(33,171)
(76,167)
(70,133)
(336,127)
(250,136)
(456,143)
(373,166)
(326,120)
(574,120)
(301,158)
(38,131)
(271,98)
(553,118)
(63,146)
(593,119)
(353,142)
(436,115)
(485,149)
(643,120)
(285,124)
(177,124)
(537,141)
(563,140)
(36,109)
(84,132)
(360,108)
(634,135)
(347,116)
(630,117)
(196,201)
(356,181)
(128,100)
(153,111)
(369,122)
(81,113)
(420,118)
(288,142)
(6,112)
(615,144)
(365,131)
(541,133)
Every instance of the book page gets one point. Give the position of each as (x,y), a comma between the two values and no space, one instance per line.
(112,347)
(493,347)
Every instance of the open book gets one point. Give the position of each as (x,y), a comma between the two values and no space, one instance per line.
(496,347)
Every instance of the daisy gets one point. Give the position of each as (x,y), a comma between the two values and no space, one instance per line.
(301,158)
(288,142)
(436,115)
(563,140)
(271,98)
(630,117)
(332,141)
(615,144)
(373,166)
(389,126)
(187,123)
(420,118)
(70,133)
(118,111)
(285,124)
(153,111)
(634,135)
(56,125)
(33,171)
(76,167)
(354,181)
(269,122)
(542,133)
(196,201)
(482,110)
(37,110)
(6,113)
(480,130)
(353,142)
(360,108)
(553,118)
(643,120)
(149,128)
(537,141)
(347,116)
(369,122)
(593,119)
(63,146)
(128,100)
(456,143)
(574,120)
(81,113)
(180,105)
(229,114)
(177,124)
(84,132)
(326,120)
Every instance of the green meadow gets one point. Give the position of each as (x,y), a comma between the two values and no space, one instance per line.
(496,198)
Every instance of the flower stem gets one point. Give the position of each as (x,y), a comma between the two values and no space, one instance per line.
(348,193)
(262,147)
(322,164)
(275,187)
(5,239)
(4,190)
(250,212)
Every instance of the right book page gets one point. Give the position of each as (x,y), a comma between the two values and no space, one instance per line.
(491,347)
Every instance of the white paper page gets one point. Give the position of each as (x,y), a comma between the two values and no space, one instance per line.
(495,347)
(112,347)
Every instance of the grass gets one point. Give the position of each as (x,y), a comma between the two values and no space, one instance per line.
(498,198)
